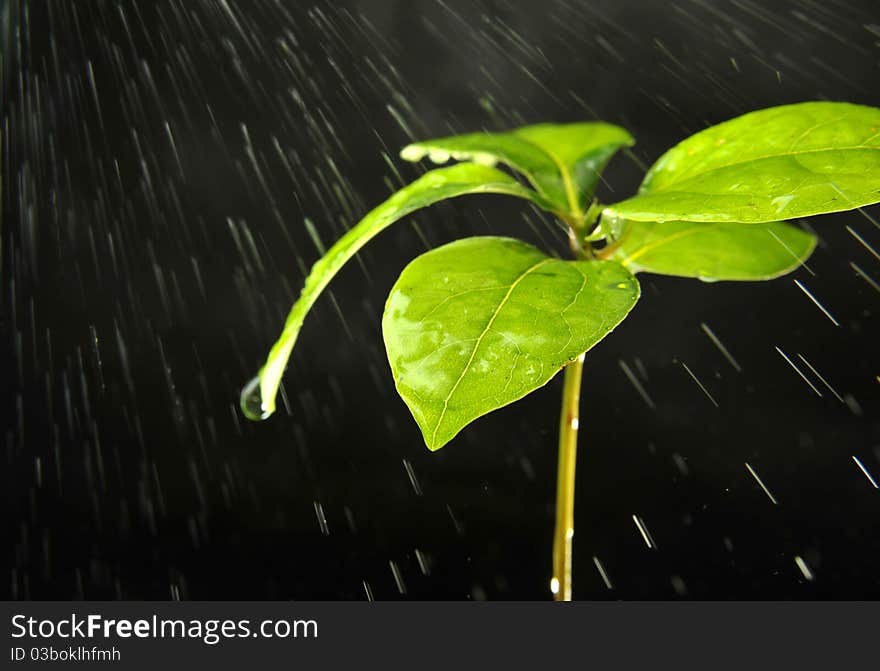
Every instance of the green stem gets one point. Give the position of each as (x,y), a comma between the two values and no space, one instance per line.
(577,246)
(568,429)
(569,419)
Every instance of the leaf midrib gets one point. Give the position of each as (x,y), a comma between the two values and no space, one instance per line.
(567,184)
(667,187)
(479,340)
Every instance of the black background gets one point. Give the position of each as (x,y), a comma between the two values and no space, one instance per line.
(159,162)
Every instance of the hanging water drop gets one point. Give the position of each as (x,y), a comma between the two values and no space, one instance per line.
(252,405)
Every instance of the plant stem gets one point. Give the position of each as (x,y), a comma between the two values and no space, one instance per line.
(568,430)
(578,249)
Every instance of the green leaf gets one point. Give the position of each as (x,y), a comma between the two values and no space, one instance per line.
(430,188)
(562,161)
(713,251)
(477,324)
(581,150)
(778,163)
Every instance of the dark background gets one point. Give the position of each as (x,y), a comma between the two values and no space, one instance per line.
(159,163)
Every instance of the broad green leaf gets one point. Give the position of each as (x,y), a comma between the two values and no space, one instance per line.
(713,251)
(562,161)
(477,324)
(430,188)
(778,163)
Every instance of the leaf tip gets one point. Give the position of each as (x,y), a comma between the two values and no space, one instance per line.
(433,447)
(253,405)
(434,438)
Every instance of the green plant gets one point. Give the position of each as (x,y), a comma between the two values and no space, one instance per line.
(479,323)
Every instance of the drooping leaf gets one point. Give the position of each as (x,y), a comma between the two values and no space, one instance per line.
(778,163)
(430,188)
(490,149)
(477,324)
(562,161)
(713,251)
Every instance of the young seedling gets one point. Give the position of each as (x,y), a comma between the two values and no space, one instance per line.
(479,323)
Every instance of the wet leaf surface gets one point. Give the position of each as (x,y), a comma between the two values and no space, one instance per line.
(778,163)
(479,323)
(713,251)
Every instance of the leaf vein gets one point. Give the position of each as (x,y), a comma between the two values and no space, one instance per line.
(495,314)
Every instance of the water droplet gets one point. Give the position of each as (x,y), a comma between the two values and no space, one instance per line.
(781,202)
(438,156)
(252,401)
(413,153)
